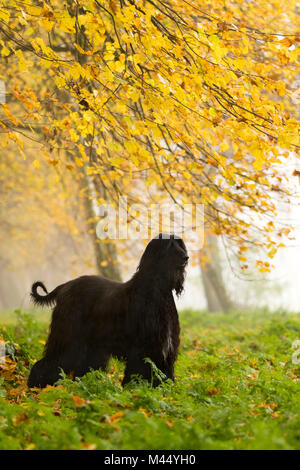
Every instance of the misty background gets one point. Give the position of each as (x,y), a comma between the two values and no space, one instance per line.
(279,289)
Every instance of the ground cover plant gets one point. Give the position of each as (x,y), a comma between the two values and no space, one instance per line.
(237,387)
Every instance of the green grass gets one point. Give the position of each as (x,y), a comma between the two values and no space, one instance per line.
(236,388)
(8,317)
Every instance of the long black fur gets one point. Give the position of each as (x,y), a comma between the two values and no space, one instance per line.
(95,318)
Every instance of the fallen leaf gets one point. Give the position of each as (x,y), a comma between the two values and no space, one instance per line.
(78,401)
(88,446)
(21,417)
(30,446)
(114,418)
(213,391)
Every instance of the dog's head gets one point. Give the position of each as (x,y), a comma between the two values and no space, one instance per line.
(166,255)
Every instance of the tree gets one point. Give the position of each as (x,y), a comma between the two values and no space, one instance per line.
(195,99)
(216,293)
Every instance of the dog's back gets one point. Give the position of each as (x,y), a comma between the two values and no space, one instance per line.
(82,288)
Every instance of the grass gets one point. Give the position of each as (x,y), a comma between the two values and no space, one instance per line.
(236,388)
(8,317)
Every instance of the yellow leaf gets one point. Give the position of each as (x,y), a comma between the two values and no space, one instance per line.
(79,162)
(35,11)
(114,418)
(59,81)
(5,51)
(82,152)
(73,135)
(8,114)
(30,446)
(213,112)
(67,24)
(145,412)
(47,24)
(53,162)
(272,253)
(4,15)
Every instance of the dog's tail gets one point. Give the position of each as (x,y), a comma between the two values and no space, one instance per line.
(47,299)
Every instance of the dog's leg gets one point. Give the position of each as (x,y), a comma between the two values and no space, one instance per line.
(136,366)
(44,372)
(170,358)
(168,367)
(66,346)
(47,370)
(95,359)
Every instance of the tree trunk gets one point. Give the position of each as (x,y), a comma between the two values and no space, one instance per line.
(214,287)
(105,252)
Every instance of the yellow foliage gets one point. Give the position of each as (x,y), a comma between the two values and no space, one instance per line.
(195,102)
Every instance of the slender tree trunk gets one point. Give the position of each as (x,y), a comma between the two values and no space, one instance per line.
(216,294)
(105,251)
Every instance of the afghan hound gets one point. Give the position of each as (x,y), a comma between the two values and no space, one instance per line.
(95,318)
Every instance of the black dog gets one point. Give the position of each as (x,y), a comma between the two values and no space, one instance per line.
(95,318)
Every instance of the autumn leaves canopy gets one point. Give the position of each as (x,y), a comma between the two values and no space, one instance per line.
(153,99)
